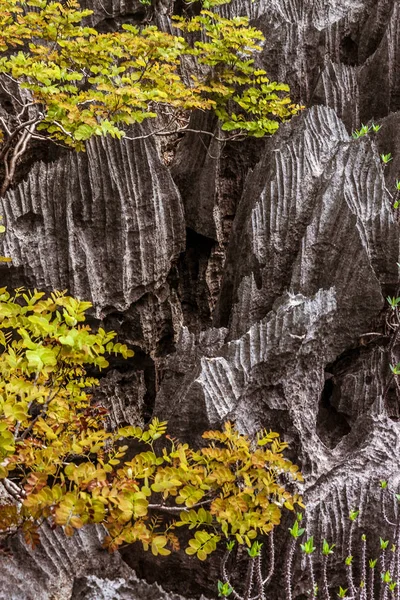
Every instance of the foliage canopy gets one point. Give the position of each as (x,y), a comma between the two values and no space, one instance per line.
(82,83)
(62,463)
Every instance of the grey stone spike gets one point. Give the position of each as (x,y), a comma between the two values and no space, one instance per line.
(106,224)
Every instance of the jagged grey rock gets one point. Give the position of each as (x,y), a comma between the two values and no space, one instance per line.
(271,314)
(72,569)
(105,224)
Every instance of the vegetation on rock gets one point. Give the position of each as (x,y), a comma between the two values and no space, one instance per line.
(62,464)
(69,82)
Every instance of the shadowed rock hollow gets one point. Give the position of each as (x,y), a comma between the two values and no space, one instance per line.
(249,278)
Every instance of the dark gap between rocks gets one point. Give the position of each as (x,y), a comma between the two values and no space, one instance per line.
(332,426)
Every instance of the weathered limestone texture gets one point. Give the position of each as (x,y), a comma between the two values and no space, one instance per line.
(249,278)
(105,224)
(76,569)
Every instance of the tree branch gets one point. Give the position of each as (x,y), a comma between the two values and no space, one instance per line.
(177,509)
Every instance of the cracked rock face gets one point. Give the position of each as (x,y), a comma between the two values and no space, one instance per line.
(250,280)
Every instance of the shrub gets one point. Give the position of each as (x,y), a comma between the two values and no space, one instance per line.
(63,465)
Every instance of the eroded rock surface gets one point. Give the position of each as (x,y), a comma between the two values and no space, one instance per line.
(271,312)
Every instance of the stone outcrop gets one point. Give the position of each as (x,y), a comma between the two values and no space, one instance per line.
(250,279)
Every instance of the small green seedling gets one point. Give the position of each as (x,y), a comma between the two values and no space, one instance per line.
(353,514)
(230,545)
(296,531)
(386,577)
(384,483)
(375,128)
(363,537)
(255,549)
(395,369)
(364,130)
(386,158)
(326,548)
(224,589)
(360,132)
(342,592)
(372,563)
(308,546)
(348,560)
(393,303)
(383,543)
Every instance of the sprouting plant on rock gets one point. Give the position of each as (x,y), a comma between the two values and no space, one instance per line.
(386,158)
(365,130)
(371,567)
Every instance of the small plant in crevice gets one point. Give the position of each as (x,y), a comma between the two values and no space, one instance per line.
(365,130)
(308,548)
(296,532)
(396,196)
(371,569)
(4,259)
(386,158)
(392,332)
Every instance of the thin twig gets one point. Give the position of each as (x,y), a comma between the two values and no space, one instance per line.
(271,558)
(325,578)
(249,580)
(289,569)
(177,509)
(225,576)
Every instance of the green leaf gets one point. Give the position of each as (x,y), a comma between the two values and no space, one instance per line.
(41,357)
(66,340)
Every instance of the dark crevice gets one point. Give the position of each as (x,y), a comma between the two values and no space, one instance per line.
(332,426)
(182,8)
(140,362)
(225,305)
(374,28)
(37,151)
(349,50)
(190,279)
(392,402)
(15,277)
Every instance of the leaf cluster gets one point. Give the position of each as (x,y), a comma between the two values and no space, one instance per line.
(86,83)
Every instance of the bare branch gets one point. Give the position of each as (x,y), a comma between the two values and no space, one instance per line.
(3,122)
(17,130)
(237,136)
(67,133)
(162,132)
(226,578)
(27,105)
(13,489)
(177,509)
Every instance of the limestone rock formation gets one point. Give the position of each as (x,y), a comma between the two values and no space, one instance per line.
(250,279)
